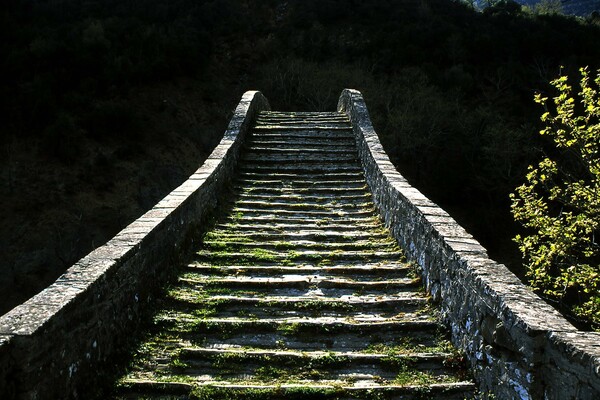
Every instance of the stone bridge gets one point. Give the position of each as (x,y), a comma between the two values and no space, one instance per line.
(294,259)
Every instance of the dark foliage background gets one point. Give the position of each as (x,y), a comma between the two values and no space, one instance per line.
(108,105)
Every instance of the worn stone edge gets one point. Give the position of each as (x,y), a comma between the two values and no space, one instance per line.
(38,316)
(549,335)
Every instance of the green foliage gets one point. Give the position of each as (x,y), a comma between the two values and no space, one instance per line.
(211,392)
(560,202)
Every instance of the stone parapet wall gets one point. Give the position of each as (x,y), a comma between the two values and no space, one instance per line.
(518,346)
(62,342)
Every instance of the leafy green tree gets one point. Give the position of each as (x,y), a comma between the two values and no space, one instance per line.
(560,202)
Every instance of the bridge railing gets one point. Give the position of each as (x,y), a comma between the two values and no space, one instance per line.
(62,342)
(518,346)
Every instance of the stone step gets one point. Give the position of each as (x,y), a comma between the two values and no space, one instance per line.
(261,121)
(310,237)
(306,177)
(275,221)
(297,245)
(302,158)
(325,197)
(355,270)
(301,176)
(294,326)
(399,332)
(325,390)
(317,191)
(283,133)
(294,142)
(311,282)
(389,342)
(406,302)
(177,328)
(303,118)
(284,203)
(427,360)
(245,223)
(304,291)
(314,256)
(257,208)
(317,199)
(352,271)
(302,150)
(301,114)
(304,145)
(342,228)
(277,212)
(281,203)
(312,168)
(251,184)
(288,312)
(320,129)
(295,125)
(183,301)
(372,271)
(249,364)
(379,308)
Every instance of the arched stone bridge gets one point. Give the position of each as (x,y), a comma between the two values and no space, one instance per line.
(286,284)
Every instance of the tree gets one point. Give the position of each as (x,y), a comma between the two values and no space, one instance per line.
(502,7)
(559,204)
(548,7)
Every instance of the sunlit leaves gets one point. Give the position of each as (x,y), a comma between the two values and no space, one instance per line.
(560,202)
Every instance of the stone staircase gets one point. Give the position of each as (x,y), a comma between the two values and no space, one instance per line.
(299,292)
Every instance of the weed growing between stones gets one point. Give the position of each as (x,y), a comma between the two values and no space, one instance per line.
(317,306)
(409,376)
(270,373)
(211,393)
(408,345)
(289,329)
(177,363)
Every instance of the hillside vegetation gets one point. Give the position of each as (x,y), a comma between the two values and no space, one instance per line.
(110,104)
